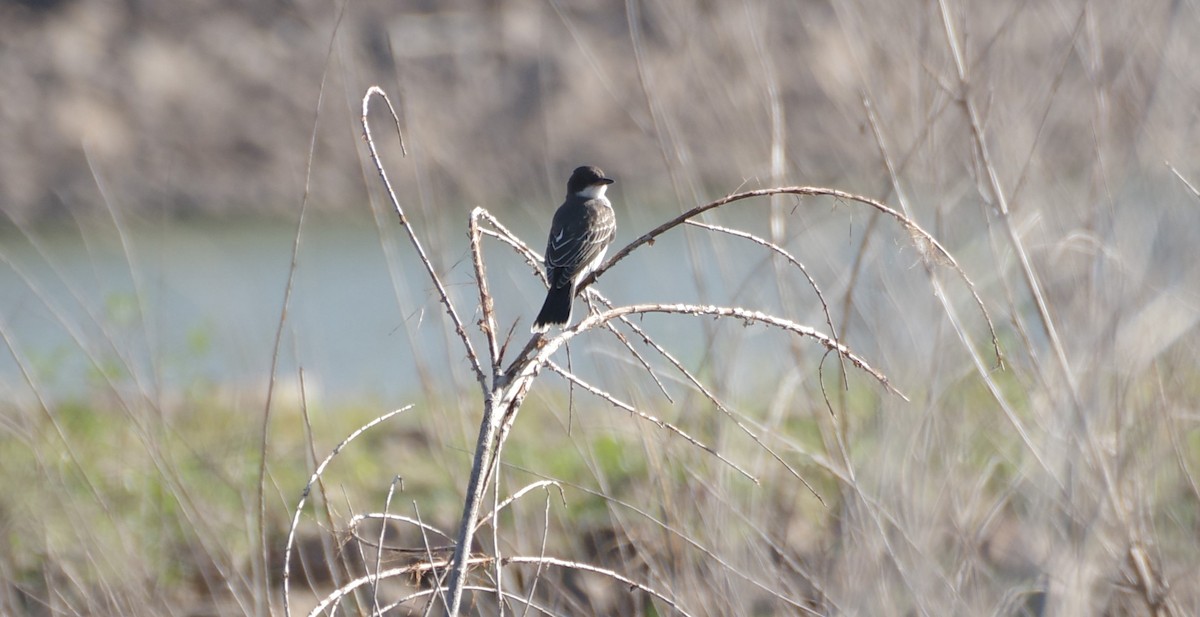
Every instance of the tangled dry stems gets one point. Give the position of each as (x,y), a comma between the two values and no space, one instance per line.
(505,384)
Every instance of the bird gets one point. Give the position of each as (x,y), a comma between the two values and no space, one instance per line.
(583,227)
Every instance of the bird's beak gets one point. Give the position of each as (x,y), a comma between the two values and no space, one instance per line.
(605,181)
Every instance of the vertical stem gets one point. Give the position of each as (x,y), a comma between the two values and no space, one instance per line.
(484,451)
(1027,272)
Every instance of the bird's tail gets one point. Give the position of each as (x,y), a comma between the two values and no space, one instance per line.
(556,311)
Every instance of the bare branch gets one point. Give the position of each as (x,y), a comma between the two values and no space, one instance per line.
(358,519)
(569,376)
(929,246)
(534,260)
(593,321)
(487,445)
(316,475)
(412,234)
(488,319)
(528,601)
(420,568)
(519,494)
(704,390)
(788,256)
(511,386)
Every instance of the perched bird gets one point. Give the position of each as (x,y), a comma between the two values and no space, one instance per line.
(583,227)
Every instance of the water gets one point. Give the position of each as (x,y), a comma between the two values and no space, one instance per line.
(187,305)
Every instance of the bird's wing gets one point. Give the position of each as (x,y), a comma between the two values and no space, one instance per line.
(577,239)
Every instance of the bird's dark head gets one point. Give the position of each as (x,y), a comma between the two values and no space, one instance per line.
(588,181)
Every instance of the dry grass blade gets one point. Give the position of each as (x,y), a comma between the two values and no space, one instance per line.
(1094,448)
(779,547)
(1191,187)
(708,553)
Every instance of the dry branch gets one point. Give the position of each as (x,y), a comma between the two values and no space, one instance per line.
(316,475)
(443,296)
(929,246)
(508,387)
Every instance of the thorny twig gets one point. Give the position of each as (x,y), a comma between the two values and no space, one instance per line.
(443,296)
(504,393)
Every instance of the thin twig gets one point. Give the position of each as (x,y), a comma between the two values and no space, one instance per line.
(383,526)
(929,246)
(519,494)
(1185,182)
(418,568)
(316,475)
(792,260)
(534,260)
(486,304)
(438,575)
(342,572)
(637,355)
(357,519)
(412,235)
(721,311)
(571,377)
(537,574)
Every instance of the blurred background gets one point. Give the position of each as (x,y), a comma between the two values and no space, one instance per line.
(157,157)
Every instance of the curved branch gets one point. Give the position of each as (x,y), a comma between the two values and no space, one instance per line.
(418,568)
(659,422)
(291,539)
(925,241)
(412,235)
(595,320)
(779,250)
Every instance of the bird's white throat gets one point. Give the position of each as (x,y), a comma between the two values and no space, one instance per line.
(595,191)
